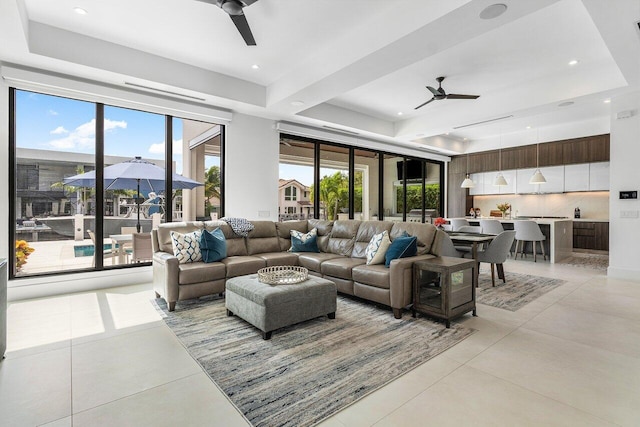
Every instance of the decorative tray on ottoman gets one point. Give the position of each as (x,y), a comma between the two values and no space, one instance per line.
(283,274)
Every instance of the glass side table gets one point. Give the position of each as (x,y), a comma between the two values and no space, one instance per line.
(443,287)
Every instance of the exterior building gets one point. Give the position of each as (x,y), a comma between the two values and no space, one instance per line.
(293,200)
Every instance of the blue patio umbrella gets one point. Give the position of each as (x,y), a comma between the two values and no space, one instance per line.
(136,173)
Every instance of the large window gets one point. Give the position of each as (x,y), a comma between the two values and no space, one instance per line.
(69,211)
(355,183)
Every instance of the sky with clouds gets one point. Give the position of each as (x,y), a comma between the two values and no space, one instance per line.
(60,124)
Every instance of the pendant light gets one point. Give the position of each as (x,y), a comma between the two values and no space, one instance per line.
(537,177)
(500,181)
(468,182)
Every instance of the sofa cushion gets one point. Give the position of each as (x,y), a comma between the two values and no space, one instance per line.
(340,267)
(279,258)
(324,232)
(213,245)
(312,260)
(343,237)
(377,248)
(186,246)
(425,234)
(241,265)
(284,232)
(198,272)
(164,233)
(372,275)
(263,238)
(366,231)
(236,245)
(401,247)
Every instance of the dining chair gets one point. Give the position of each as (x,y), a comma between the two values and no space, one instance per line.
(528,231)
(491,226)
(456,223)
(448,248)
(142,251)
(106,253)
(496,254)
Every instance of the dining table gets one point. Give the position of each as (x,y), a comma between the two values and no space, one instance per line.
(473,239)
(120,241)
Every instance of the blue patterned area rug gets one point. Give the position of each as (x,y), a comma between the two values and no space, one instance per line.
(519,290)
(306,372)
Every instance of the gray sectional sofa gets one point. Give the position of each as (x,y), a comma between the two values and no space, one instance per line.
(341,259)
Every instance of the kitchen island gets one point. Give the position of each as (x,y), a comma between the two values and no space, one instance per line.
(558,232)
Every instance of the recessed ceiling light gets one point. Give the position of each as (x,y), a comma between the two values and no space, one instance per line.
(573,62)
(566,103)
(255,66)
(447,133)
(464,139)
(297,103)
(607,101)
(493,11)
(528,127)
(80,11)
(399,113)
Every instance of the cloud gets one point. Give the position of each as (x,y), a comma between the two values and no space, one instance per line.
(159,148)
(59,131)
(83,136)
(52,113)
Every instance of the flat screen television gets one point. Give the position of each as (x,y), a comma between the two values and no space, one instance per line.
(414,169)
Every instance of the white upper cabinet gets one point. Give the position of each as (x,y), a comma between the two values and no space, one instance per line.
(599,176)
(478,179)
(522,181)
(511,178)
(576,177)
(555,179)
(489,179)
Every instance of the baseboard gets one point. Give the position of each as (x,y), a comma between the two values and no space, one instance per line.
(624,273)
(40,287)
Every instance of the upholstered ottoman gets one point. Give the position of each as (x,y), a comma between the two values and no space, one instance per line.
(270,307)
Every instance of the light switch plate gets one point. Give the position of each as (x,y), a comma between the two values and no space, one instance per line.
(629,214)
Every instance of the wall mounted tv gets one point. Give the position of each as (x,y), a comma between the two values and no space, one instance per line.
(414,169)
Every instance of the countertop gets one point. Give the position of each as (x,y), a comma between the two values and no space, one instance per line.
(590,220)
(507,220)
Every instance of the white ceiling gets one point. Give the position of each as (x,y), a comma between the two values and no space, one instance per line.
(355,64)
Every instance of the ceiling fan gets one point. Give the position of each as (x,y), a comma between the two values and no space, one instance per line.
(439,94)
(235,12)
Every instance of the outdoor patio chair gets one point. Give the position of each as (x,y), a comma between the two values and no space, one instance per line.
(142,250)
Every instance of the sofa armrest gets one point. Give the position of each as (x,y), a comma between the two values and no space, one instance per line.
(401,280)
(165,276)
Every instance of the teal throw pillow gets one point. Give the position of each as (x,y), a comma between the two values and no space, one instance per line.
(213,245)
(308,245)
(401,247)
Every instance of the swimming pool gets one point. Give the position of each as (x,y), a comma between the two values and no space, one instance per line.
(87,250)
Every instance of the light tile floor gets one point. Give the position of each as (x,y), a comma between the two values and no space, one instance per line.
(105,358)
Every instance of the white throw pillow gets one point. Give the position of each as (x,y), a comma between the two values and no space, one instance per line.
(186,247)
(377,248)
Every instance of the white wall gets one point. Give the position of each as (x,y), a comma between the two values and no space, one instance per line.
(624,233)
(252,159)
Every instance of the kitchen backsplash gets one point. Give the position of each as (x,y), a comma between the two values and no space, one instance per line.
(593,205)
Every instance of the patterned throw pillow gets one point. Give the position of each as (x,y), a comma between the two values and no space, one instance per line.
(377,248)
(186,247)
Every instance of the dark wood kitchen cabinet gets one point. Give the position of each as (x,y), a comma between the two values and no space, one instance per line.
(591,235)
(551,154)
(519,157)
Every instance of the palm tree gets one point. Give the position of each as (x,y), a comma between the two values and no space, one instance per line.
(211,186)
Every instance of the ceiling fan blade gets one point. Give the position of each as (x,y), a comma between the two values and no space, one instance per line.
(422,105)
(248,2)
(456,96)
(243,26)
(433,91)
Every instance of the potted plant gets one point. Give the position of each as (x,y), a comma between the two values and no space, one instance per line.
(504,207)
(439,222)
(23,250)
